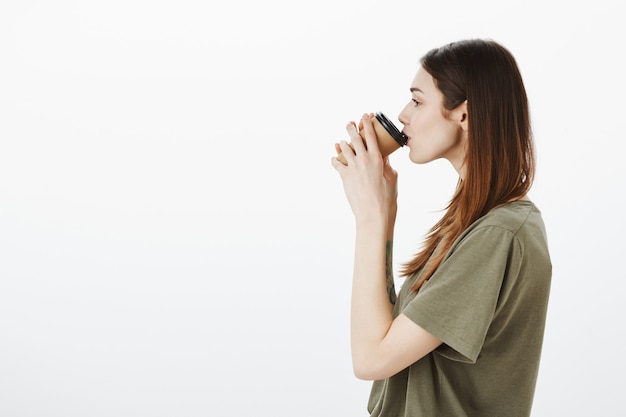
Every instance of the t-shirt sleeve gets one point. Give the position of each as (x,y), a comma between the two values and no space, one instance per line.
(458,302)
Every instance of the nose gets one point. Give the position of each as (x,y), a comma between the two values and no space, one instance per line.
(403,116)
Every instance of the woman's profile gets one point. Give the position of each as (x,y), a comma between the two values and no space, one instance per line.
(463,336)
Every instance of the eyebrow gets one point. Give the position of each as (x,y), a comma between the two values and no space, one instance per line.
(415,89)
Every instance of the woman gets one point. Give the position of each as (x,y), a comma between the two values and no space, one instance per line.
(464,336)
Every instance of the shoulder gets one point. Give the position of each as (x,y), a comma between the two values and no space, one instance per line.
(511,216)
(517,223)
(516,219)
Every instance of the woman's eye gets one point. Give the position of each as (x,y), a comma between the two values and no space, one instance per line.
(417,103)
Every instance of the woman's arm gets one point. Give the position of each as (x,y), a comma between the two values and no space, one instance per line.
(381,346)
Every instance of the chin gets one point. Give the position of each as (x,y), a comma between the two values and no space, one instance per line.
(419,159)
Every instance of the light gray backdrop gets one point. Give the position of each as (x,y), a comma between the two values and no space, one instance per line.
(175,242)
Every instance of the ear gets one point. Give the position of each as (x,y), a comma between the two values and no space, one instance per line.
(461,115)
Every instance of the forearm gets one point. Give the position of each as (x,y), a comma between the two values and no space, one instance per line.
(371,314)
(391,288)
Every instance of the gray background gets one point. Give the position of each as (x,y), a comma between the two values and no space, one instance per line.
(174,240)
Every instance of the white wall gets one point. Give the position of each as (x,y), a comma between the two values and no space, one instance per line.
(174,240)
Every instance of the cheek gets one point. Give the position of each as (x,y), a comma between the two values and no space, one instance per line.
(425,128)
(433,139)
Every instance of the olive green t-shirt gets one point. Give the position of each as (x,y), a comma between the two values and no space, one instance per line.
(487,302)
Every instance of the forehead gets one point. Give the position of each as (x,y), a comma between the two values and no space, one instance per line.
(424,83)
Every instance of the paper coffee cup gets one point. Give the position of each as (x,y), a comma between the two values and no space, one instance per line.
(388,136)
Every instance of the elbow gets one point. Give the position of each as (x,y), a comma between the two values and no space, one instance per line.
(367,371)
(363,376)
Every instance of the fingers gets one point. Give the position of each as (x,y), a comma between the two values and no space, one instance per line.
(363,139)
(346,151)
(369,133)
(355,139)
(345,156)
(339,151)
(337,164)
(389,173)
(363,142)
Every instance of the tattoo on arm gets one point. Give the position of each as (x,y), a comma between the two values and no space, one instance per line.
(391,289)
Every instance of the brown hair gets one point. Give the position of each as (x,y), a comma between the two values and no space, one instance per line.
(499,159)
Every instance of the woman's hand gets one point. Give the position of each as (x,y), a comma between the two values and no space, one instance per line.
(381,346)
(369,181)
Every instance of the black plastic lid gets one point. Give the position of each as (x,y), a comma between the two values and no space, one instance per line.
(397,135)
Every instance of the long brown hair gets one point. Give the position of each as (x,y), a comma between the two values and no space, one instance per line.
(499,157)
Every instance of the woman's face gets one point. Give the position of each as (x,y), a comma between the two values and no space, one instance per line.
(431,134)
